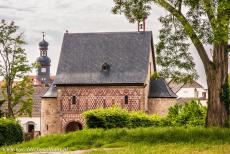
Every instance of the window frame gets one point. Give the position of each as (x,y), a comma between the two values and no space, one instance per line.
(74,100)
(126,99)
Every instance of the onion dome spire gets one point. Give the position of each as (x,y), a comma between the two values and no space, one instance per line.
(43,45)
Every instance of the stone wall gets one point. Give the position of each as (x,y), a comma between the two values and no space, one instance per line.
(92,97)
(50,116)
(160,105)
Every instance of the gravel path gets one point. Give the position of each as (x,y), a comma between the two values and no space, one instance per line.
(75,152)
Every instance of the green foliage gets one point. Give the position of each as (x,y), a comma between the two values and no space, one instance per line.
(121,137)
(190,114)
(119,118)
(139,119)
(10,132)
(173,57)
(21,97)
(106,118)
(155,75)
(135,10)
(14,65)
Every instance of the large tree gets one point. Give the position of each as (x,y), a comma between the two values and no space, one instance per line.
(14,67)
(205,23)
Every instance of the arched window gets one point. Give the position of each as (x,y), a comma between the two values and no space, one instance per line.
(126,99)
(74,101)
(30,126)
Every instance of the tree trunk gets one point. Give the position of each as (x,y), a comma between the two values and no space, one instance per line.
(218,94)
(217,110)
(10,113)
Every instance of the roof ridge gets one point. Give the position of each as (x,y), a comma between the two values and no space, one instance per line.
(108,32)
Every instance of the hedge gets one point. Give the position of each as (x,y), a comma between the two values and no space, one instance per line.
(191,114)
(10,132)
(119,118)
(107,118)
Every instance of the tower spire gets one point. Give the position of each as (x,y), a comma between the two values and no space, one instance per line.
(43,35)
(141,25)
(43,72)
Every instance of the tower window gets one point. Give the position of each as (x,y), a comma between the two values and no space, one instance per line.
(126,99)
(43,69)
(43,53)
(74,100)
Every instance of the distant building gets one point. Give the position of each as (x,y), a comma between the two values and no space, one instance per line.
(189,91)
(41,83)
(101,70)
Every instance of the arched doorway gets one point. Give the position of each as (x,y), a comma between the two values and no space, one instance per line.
(30,126)
(73,126)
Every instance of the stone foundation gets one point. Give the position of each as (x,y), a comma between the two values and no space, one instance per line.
(160,105)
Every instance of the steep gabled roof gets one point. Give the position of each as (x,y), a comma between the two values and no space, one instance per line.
(193,84)
(175,87)
(159,89)
(83,54)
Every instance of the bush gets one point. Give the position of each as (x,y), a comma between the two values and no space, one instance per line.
(190,114)
(119,118)
(139,119)
(10,132)
(107,118)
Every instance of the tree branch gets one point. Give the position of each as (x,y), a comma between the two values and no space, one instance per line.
(189,31)
(210,13)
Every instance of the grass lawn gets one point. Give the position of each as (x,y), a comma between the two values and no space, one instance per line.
(168,148)
(139,141)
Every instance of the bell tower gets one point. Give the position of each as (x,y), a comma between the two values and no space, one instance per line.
(141,24)
(43,71)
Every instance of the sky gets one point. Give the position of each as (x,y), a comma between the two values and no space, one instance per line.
(54,17)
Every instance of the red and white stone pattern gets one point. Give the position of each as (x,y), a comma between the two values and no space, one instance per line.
(93,97)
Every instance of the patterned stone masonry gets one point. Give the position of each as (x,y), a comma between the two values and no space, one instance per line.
(67,118)
(93,97)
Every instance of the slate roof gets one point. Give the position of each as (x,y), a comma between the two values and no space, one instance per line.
(83,54)
(51,92)
(38,93)
(159,89)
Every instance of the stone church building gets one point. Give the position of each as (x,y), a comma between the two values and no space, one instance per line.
(101,70)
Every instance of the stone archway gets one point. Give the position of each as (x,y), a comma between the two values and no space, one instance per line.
(73,126)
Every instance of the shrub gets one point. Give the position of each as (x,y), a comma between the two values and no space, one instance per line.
(119,118)
(160,121)
(107,118)
(139,119)
(190,114)
(10,132)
